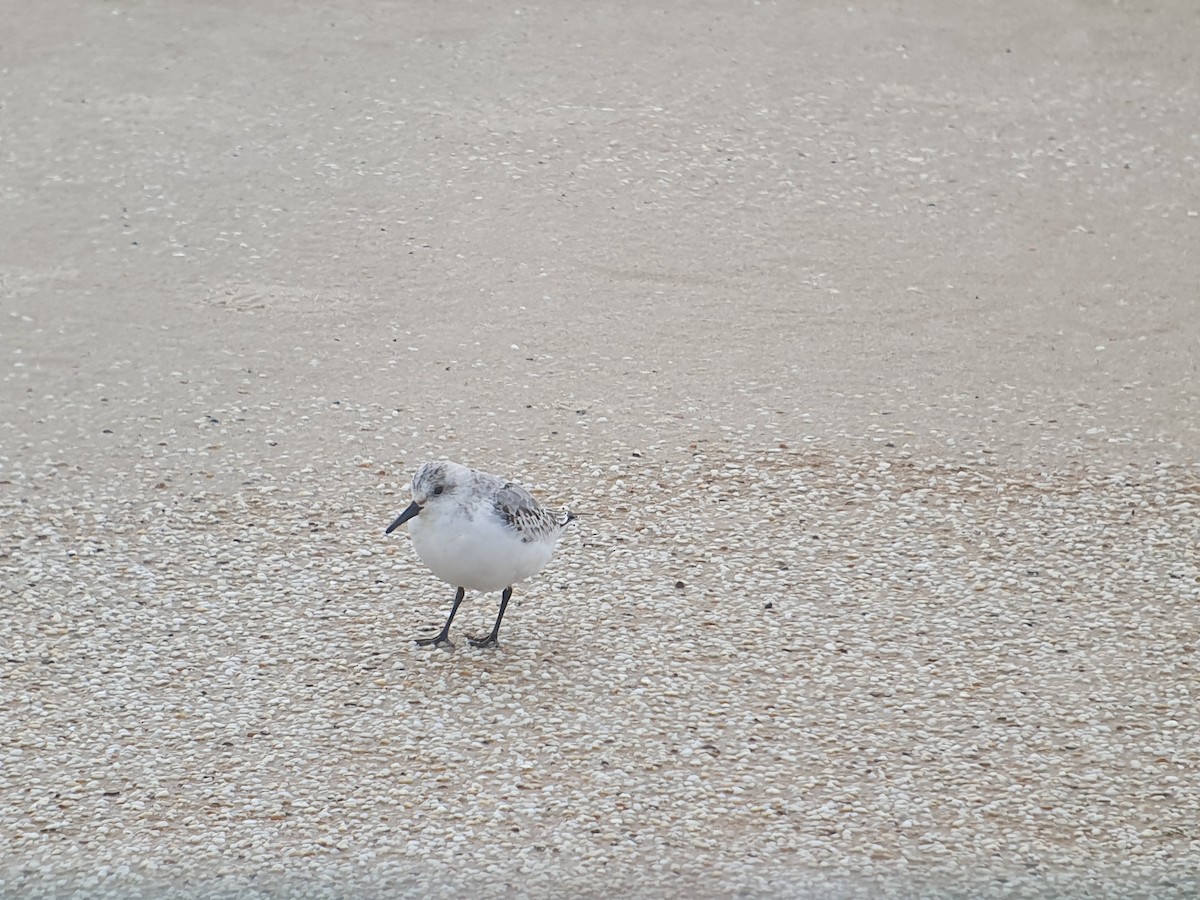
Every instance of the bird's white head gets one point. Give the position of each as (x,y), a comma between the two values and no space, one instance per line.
(434,484)
(433,481)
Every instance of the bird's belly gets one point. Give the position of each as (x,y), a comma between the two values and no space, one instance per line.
(477,555)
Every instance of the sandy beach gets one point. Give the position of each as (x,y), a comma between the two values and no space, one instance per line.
(863,338)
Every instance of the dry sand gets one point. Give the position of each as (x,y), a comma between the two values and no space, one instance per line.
(864,338)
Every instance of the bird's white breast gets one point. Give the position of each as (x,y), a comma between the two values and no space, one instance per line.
(476,551)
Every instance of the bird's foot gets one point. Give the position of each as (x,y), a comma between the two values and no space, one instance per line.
(489,641)
(438,641)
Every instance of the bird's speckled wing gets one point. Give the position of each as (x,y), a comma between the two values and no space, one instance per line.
(519,511)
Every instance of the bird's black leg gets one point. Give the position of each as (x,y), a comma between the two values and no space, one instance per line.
(444,637)
(490,640)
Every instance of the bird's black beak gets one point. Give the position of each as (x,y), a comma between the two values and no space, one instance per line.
(413,509)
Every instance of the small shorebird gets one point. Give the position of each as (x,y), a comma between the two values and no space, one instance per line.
(479,532)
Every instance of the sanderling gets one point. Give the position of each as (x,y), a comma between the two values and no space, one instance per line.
(474,530)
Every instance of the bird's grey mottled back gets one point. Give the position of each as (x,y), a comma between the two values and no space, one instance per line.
(519,511)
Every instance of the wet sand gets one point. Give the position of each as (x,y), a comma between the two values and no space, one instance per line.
(884,316)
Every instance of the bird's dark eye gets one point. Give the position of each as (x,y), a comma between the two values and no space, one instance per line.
(438,490)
